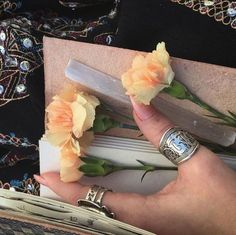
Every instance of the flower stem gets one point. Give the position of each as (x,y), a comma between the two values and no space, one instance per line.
(94,166)
(180,91)
(231,121)
(143,168)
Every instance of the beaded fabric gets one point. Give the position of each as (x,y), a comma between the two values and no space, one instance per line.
(26,185)
(22,27)
(187,34)
(223,11)
(21,54)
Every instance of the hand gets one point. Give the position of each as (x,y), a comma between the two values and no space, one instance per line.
(200,201)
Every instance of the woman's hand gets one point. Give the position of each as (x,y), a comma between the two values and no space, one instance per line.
(202,200)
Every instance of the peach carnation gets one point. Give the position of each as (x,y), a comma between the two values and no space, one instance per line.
(70,115)
(148,75)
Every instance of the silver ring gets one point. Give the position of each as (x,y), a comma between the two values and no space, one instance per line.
(93,201)
(178,145)
(96,193)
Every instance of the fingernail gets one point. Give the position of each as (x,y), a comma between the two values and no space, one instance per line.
(143,112)
(41,180)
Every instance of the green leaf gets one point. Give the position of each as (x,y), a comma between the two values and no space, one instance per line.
(103,123)
(226,124)
(228,120)
(144,175)
(97,167)
(141,162)
(212,116)
(177,90)
(232,114)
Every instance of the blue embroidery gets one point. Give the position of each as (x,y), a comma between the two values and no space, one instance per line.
(11,139)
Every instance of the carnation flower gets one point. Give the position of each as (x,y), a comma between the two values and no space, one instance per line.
(70,115)
(148,75)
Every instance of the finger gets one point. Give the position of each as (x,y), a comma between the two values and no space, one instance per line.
(151,122)
(153,125)
(70,192)
(124,205)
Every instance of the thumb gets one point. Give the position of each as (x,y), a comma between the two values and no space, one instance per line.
(153,125)
(151,122)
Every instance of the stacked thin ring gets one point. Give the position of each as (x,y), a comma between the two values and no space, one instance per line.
(93,201)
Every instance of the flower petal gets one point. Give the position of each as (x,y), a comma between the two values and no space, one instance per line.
(148,75)
(56,138)
(71,173)
(69,116)
(79,118)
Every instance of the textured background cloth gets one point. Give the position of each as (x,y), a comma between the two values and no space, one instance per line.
(188,34)
(22,76)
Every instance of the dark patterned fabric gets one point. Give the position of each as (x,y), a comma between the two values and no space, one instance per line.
(187,33)
(22,27)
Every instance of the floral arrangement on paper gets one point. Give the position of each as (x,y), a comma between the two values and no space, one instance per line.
(72,117)
(71,122)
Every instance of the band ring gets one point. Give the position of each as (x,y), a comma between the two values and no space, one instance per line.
(93,201)
(178,145)
(96,193)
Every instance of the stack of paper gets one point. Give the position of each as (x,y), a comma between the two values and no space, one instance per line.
(125,152)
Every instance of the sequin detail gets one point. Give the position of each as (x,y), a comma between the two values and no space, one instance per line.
(21,44)
(26,185)
(21,54)
(25,66)
(1,89)
(223,11)
(27,42)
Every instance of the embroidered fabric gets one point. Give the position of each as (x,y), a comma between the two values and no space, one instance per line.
(26,185)
(21,45)
(21,54)
(9,6)
(223,11)
(17,142)
(21,79)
